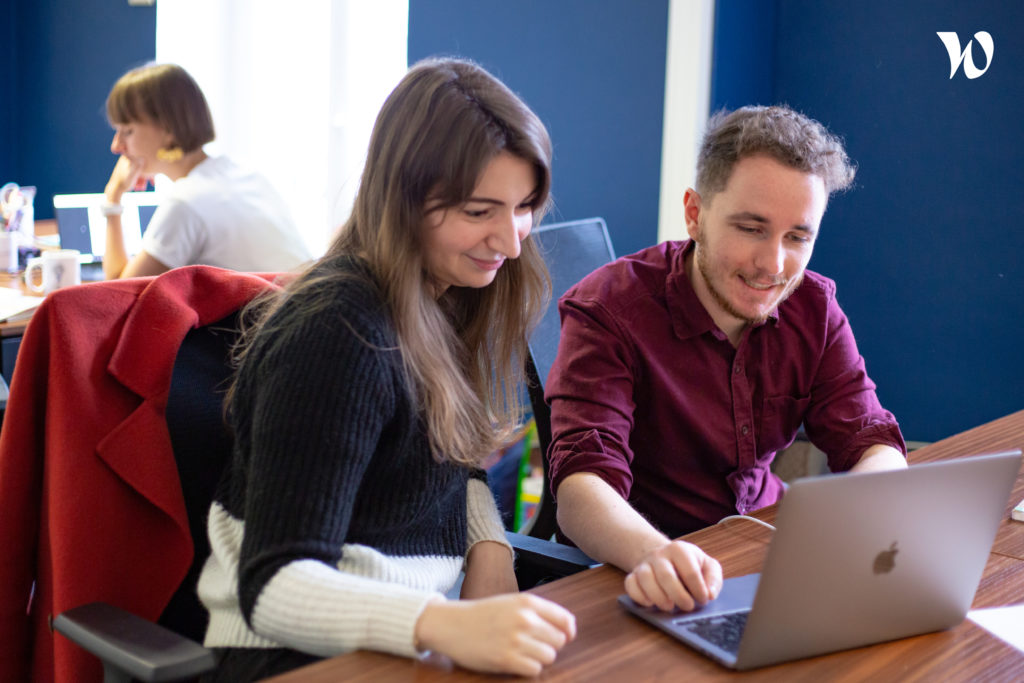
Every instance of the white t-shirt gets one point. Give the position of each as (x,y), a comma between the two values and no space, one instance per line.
(222,215)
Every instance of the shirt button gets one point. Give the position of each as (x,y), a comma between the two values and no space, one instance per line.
(744,430)
(737,369)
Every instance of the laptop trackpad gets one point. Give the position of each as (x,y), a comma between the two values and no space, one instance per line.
(737,594)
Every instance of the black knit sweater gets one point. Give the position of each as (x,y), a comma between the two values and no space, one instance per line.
(333,525)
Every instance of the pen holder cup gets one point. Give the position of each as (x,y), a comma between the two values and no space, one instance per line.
(9,251)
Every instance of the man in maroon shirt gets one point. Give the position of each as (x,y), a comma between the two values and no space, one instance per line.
(684,368)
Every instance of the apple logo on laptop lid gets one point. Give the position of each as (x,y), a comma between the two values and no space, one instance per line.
(885,561)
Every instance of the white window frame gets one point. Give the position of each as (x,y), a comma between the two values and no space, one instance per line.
(687,104)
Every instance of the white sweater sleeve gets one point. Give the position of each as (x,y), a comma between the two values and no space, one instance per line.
(314,608)
(482,516)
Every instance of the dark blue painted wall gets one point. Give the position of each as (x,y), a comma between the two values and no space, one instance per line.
(594,71)
(67,55)
(743,53)
(927,248)
(7,104)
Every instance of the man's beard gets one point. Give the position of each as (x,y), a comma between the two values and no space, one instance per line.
(705,272)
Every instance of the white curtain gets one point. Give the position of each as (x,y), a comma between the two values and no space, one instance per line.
(294,89)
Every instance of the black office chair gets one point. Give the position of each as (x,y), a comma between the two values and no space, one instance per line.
(129,646)
(572,251)
(133,648)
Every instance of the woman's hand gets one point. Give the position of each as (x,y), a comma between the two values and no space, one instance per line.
(514,634)
(126,177)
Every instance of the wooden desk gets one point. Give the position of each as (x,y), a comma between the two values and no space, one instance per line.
(614,646)
(17,281)
(12,332)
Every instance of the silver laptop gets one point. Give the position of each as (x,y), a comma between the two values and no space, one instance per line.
(81,226)
(856,559)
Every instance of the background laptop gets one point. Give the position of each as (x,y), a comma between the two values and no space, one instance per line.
(81,226)
(857,559)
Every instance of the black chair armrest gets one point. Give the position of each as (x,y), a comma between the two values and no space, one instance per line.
(539,560)
(131,647)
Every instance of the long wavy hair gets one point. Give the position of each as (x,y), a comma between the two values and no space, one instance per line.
(463,353)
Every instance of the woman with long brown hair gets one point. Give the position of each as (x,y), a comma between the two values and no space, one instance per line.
(369,390)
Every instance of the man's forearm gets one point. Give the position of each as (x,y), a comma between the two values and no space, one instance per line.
(879,457)
(602,524)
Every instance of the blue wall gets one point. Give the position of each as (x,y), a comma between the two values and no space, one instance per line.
(927,248)
(743,53)
(67,54)
(594,71)
(7,105)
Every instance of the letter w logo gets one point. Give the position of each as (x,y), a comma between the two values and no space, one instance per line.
(952,42)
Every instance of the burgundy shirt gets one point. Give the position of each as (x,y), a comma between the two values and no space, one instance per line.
(649,394)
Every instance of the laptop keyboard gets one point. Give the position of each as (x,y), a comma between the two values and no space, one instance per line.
(92,272)
(722,630)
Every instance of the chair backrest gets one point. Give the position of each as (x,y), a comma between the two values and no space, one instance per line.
(571,251)
(202,444)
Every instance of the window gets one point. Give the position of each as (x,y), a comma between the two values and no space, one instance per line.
(294,89)
(687,97)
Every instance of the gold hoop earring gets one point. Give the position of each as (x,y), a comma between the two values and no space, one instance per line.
(169,155)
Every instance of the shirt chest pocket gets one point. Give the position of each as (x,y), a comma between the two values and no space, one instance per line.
(781,417)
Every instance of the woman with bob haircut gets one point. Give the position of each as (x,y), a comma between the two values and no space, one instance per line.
(215,212)
(368,391)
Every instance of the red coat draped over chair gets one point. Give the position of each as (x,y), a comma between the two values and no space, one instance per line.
(90,503)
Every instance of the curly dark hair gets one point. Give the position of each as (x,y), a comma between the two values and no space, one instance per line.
(777,132)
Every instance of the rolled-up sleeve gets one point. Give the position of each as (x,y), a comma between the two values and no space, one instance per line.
(590,391)
(845,416)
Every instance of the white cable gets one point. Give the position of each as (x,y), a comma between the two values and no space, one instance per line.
(752,519)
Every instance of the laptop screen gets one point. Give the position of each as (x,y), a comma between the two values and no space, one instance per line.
(82,226)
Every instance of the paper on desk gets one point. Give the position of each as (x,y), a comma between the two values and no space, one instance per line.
(16,306)
(1006,623)
(48,241)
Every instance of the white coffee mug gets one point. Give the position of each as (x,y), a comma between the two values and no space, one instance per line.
(59,268)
